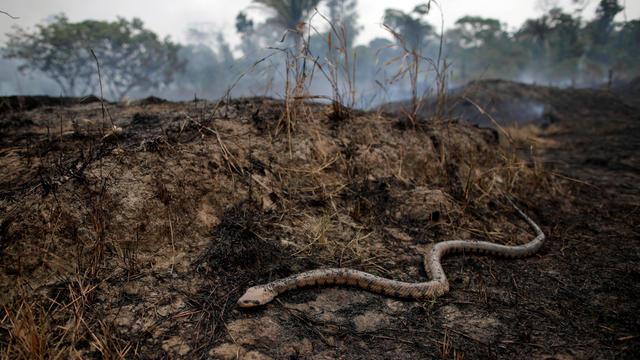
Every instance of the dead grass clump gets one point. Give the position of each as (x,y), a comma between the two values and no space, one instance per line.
(59,326)
(30,329)
(410,64)
(530,136)
(339,69)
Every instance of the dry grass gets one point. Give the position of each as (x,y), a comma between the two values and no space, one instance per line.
(339,69)
(327,198)
(43,327)
(530,136)
(326,195)
(29,328)
(412,64)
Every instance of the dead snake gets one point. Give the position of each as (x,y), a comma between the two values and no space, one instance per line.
(439,285)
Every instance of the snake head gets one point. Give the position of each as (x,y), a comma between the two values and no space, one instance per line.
(256,296)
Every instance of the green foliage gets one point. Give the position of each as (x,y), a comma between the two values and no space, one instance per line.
(248,33)
(606,11)
(130,56)
(536,33)
(288,13)
(555,45)
(628,38)
(243,23)
(600,31)
(480,47)
(284,16)
(411,26)
(557,48)
(477,31)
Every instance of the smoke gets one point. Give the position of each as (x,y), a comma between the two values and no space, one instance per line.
(213,65)
(14,82)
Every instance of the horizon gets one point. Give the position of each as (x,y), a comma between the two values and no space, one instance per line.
(221,59)
(167,21)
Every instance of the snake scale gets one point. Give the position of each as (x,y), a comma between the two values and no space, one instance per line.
(439,285)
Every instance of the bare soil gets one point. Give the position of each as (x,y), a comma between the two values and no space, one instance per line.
(136,241)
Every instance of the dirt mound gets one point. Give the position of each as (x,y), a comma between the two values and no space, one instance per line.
(135,239)
(512,103)
(151,100)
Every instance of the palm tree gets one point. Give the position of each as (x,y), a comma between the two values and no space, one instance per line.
(603,23)
(538,31)
(412,27)
(288,13)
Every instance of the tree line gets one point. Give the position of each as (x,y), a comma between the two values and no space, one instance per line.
(558,48)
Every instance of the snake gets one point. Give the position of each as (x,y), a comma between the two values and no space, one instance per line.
(438,285)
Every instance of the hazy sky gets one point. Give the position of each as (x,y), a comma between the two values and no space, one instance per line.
(170,17)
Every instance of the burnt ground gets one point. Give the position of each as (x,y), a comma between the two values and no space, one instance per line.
(137,242)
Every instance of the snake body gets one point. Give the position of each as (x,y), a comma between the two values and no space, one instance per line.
(439,285)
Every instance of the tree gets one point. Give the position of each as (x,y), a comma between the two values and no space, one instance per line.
(288,13)
(477,31)
(344,12)
(243,23)
(600,32)
(606,11)
(538,32)
(130,56)
(627,43)
(481,48)
(54,50)
(248,33)
(565,46)
(410,25)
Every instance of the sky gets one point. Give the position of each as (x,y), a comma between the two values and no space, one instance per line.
(173,18)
